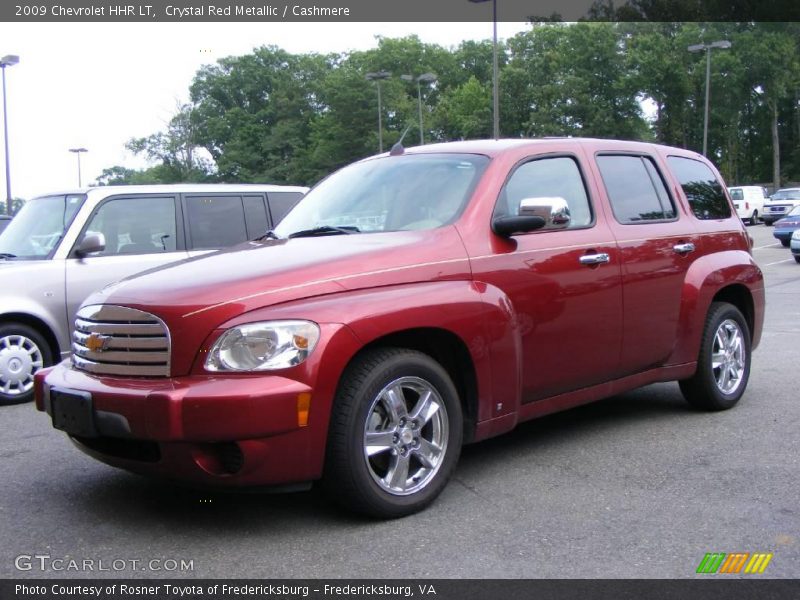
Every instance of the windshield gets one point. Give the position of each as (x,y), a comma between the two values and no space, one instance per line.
(36,230)
(392,193)
(786,195)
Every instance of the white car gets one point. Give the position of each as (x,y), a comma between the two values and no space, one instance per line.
(780,203)
(748,200)
(63,246)
(794,244)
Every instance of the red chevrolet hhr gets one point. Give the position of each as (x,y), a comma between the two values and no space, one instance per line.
(413,302)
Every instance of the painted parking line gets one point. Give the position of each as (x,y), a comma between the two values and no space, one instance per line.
(778,262)
(776,244)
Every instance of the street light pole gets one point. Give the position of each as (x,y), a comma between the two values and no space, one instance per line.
(495,76)
(77,152)
(707,48)
(7,61)
(377,77)
(429,78)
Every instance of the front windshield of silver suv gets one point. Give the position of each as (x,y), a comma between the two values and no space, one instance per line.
(35,232)
(391,193)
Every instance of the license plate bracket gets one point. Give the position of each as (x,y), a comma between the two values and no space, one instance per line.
(73,412)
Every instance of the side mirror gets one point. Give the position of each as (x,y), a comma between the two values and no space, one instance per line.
(90,244)
(508,226)
(554,211)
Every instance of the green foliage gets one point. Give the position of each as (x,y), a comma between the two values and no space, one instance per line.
(273,116)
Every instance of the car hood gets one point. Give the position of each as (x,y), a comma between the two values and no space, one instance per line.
(23,268)
(197,295)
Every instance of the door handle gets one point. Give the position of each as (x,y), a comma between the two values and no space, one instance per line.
(594,259)
(684,248)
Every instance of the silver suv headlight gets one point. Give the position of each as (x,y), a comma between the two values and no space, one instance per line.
(263,346)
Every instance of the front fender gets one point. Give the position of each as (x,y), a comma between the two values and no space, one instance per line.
(481,316)
(705,278)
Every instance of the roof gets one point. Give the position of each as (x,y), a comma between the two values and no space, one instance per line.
(495,147)
(178,188)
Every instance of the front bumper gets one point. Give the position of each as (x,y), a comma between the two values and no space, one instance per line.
(218,430)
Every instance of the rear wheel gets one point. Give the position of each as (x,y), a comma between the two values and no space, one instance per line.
(395,434)
(723,366)
(23,351)
(754,218)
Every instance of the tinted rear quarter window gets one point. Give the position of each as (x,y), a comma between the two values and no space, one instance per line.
(635,189)
(701,187)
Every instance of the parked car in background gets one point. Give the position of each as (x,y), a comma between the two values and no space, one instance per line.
(780,203)
(62,247)
(4,221)
(413,302)
(794,244)
(748,200)
(785,227)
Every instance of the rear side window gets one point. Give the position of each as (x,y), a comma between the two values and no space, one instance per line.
(701,187)
(737,194)
(635,189)
(216,221)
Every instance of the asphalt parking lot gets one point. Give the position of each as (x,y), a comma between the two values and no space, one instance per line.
(636,486)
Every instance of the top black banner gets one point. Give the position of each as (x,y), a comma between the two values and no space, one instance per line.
(398,10)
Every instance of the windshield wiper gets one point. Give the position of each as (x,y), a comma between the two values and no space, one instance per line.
(269,235)
(7,255)
(325,230)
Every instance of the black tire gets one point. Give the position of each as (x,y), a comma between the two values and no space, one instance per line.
(797,258)
(355,478)
(785,243)
(706,389)
(754,218)
(23,351)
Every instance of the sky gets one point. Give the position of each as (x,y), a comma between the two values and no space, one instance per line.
(97,85)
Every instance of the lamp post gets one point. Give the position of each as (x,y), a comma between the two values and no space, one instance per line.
(7,61)
(495,84)
(377,77)
(77,152)
(707,48)
(427,78)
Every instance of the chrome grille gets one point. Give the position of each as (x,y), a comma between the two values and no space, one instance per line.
(116,340)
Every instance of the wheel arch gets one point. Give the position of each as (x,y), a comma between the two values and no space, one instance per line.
(447,349)
(730,277)
(39,325)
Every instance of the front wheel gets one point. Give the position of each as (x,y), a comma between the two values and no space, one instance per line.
(723,366)
(797,258)
(785,243)
(23,351)
(395,434)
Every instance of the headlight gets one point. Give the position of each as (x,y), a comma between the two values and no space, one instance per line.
(796,234)
(263,346)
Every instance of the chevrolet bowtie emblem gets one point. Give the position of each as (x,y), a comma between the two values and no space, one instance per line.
(97,342)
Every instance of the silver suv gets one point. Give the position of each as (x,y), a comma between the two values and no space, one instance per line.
(64,246)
